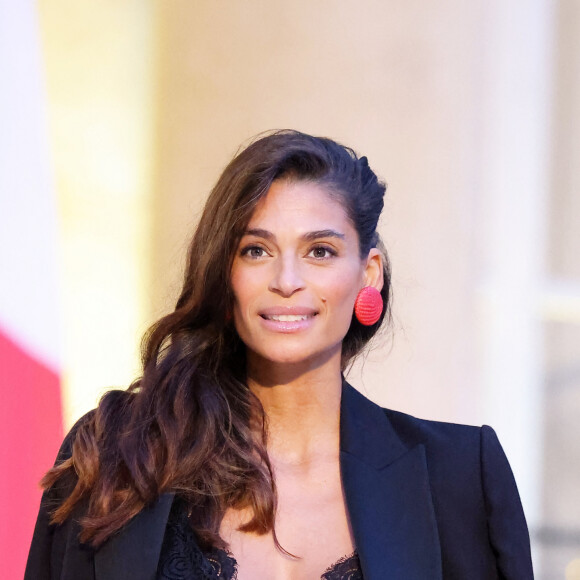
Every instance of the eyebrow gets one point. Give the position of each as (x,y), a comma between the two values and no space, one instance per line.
(308,236)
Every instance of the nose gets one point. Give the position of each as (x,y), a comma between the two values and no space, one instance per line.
(287,278)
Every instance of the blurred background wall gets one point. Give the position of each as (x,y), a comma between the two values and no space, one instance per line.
(469,110)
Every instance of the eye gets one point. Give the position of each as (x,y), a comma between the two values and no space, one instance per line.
(322,252)
(253,252)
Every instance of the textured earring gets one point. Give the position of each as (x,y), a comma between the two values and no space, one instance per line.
(368,306)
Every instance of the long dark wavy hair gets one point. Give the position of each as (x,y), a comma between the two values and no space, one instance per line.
(190,425)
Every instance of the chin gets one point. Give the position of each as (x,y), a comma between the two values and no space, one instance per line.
(301,355)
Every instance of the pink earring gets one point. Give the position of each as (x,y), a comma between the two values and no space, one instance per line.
(368,306)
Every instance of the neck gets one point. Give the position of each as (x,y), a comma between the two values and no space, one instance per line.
(302,404)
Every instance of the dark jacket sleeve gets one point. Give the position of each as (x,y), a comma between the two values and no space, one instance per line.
(508,531)
(48,558)
(38,564)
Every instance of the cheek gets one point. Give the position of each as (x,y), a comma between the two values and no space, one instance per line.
(242,296)
(245,287)
(340,293)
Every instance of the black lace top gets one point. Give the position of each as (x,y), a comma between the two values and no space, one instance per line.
(182,559)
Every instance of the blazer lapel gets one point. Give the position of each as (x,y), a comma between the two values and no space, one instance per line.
(387,494)
(133,553)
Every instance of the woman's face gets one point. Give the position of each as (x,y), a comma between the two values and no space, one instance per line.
(296,275)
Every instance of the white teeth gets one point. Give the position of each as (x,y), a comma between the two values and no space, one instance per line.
(288,317)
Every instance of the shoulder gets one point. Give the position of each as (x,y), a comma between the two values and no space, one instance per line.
(473,489)
(52,543)
(466,448)
(438,435)
(65,451)
(450,439)
(453,451)
(448,442)
(369,430)
(103,421)
(415,429)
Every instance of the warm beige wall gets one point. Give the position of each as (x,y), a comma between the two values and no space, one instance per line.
(393,80)
(565,237)
(99,76)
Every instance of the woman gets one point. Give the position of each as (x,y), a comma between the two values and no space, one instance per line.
(242,452)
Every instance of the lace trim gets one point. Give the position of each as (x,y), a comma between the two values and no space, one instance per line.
(182,559)
(223,563)
(346,568)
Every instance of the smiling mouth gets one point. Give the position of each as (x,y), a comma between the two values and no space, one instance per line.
(287,317)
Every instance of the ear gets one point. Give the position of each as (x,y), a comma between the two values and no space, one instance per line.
(373,270)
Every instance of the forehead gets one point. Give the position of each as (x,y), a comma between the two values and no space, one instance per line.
(302,206)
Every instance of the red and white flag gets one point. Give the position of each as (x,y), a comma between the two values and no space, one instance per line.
(30,401)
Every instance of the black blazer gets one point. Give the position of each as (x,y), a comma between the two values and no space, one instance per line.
(427,501)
